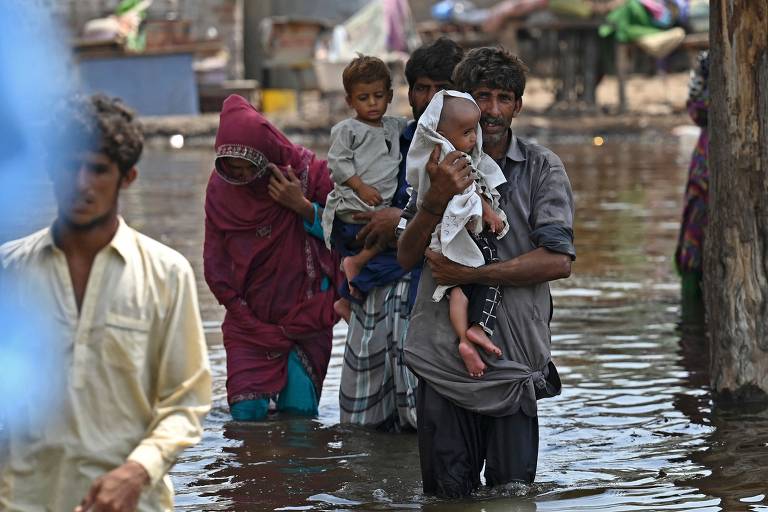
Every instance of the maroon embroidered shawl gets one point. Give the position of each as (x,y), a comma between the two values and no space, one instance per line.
(262,265)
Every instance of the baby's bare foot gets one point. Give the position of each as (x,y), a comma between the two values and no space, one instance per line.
(468,352)
(477,335)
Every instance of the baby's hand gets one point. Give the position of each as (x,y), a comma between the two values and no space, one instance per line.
(491,219)
(369,195)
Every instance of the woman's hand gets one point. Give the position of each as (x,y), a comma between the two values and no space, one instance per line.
(286,191)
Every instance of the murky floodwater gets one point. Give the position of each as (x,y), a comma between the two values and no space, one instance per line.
(633,430)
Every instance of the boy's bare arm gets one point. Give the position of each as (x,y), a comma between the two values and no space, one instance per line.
(367,193)
(354,182)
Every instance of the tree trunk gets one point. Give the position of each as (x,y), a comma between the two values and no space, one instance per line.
(736,248)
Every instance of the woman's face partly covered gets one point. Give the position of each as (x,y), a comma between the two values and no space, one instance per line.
(239,171)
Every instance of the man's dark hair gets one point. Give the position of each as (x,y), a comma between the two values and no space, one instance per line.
(495,68)
(105,124)
(434,61)
(366,70)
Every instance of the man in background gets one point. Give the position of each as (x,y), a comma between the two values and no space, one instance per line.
(377,390)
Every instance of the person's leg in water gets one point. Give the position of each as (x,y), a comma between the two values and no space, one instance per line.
(457,310)
(250,410)
(452,445)
(299,395)
(692,298)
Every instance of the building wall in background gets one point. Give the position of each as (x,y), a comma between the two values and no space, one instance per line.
(332,11)
(211,19)
(235,22)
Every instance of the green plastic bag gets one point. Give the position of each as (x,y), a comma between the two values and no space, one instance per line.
(628,22)
(135,41)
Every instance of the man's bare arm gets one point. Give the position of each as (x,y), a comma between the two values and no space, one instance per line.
(534,267)
(415,238)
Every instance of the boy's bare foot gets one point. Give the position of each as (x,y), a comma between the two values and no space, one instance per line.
(342,308)
(468,352)
(477,335)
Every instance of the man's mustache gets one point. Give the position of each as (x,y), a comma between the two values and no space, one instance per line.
(491,120)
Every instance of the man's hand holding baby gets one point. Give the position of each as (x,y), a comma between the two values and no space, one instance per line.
(448,178)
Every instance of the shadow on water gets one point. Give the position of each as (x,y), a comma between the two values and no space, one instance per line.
(633,430)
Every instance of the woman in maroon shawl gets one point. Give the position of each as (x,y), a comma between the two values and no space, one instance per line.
(276,279)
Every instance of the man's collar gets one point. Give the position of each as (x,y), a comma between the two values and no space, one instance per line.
(409,131)
(46,242)
(514,152)
(122,242)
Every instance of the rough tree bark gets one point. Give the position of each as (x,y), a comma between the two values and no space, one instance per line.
(736,251)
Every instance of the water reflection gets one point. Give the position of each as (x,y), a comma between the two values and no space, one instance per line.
(633,429)
(735,454)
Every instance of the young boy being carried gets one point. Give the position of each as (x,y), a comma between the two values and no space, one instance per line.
(451,121)
(364,158)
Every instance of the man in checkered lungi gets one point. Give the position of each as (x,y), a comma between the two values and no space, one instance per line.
(377,389)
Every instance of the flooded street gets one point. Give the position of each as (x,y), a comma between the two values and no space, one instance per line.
(633,430)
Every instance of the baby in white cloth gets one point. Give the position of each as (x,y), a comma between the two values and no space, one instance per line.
(451,121)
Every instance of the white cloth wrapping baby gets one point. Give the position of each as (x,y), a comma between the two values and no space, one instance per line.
(464,210)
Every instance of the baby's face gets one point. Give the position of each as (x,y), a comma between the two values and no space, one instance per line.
(461,129)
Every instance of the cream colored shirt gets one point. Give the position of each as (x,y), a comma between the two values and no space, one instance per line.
(135,381)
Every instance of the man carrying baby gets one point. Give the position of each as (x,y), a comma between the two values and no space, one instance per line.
(465,422)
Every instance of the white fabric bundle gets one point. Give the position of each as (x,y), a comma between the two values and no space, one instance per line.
(464,210)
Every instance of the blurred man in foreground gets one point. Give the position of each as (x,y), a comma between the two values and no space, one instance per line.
(135,382)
